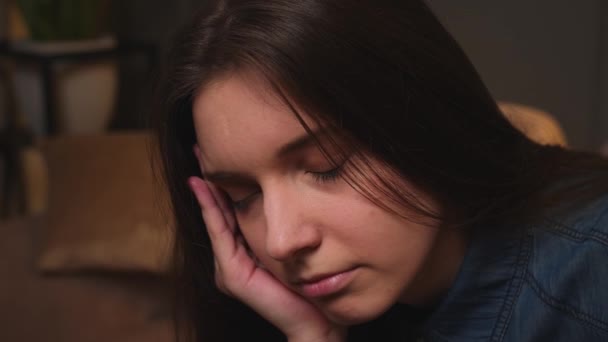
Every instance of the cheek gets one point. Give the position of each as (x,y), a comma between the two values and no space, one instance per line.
(384,239)
(256,240)
(254,232)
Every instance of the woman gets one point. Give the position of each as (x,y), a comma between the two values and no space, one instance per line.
(338,171)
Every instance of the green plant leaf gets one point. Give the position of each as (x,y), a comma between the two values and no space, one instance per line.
(62,19)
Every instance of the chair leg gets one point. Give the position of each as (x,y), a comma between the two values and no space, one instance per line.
(8,185)
(13,137)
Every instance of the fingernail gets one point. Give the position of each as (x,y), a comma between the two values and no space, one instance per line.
(194,185)
(200,190)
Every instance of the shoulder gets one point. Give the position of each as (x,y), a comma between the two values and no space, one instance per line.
(567,270)
(546,283)
(589,223)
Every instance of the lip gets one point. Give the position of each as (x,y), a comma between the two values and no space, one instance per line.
(325,284)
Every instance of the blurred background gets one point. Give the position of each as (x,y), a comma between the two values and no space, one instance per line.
(85,248)
(548,54)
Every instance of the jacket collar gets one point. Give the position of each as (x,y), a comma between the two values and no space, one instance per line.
(478,305)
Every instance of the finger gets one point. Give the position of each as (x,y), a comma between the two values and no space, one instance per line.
(241,240)
(220,197)
(219,279)
(222,201)
(222,238)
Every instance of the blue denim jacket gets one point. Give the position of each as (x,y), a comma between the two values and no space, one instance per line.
(549,283)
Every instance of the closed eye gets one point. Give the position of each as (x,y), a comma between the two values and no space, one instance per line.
(327,176)
(242,204)
(332,175)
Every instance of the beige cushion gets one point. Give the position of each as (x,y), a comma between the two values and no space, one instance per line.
(95,307)
(103,206)
(538,125)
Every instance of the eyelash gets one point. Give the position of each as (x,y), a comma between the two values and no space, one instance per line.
(243,204)
(320,177)
(327,176)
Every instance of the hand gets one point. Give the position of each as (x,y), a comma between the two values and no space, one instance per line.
(238,275)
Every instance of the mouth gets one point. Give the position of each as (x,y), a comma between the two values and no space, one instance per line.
(322,285)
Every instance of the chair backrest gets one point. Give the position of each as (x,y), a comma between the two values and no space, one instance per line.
(103,206)
(539,125)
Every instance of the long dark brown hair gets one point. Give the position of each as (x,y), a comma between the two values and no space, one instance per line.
(388,75)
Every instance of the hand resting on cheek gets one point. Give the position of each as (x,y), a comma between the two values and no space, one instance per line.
(239,275)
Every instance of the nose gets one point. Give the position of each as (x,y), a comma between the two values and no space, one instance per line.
(291,229)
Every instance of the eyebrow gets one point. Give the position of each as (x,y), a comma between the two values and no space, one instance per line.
(300,143)
(297,144)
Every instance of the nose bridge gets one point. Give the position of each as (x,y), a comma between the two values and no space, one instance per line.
(289,224)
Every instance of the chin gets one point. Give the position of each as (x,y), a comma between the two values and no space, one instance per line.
(352,311)
(348,321)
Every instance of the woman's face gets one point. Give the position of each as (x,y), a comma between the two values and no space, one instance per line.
(306,225)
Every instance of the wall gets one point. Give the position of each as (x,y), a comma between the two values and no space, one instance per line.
(150,21)
(546,53)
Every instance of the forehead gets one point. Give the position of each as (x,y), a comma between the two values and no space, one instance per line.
(238,119)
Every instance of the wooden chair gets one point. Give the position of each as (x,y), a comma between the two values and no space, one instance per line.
(14,136)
